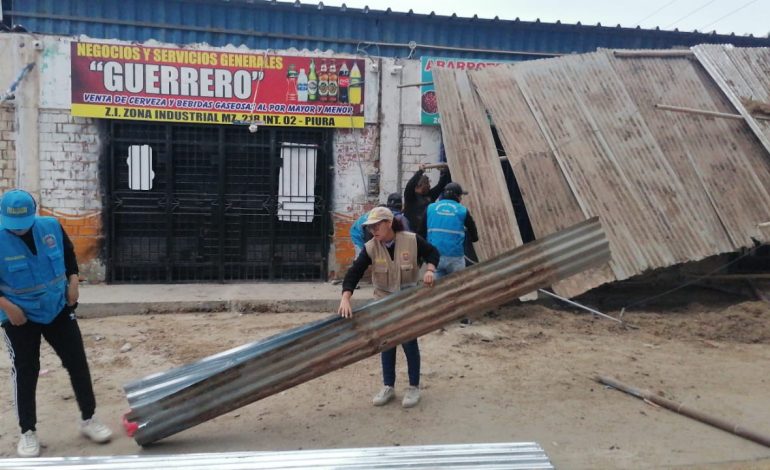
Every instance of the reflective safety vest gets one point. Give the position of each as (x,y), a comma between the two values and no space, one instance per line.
(390,275)
(446,227)
(357,231)
(35,283)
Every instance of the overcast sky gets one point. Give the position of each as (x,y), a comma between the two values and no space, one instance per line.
(724,16)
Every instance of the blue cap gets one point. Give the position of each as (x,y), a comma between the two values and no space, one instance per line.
(17,210)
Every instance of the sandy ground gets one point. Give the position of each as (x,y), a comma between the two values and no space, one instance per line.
(521,373)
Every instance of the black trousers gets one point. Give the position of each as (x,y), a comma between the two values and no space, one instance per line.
(23,342)
(388,358)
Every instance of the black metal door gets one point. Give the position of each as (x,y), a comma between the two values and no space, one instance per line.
(224,204)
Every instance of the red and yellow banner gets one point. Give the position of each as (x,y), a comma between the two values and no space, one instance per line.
(121,81)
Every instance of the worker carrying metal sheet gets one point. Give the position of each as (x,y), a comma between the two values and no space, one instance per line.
(394,255)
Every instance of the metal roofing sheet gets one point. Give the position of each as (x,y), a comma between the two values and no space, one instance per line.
(303,25)
(165,404)
(744,77)
(474,162)
(551,205)
(583,132)
(493,456)
(718,160)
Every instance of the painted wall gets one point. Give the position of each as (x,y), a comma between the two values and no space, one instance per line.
(60,163)
(70,148)
(46,151)
(356,157)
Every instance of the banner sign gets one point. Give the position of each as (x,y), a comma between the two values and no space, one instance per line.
(123,81)
(428,105)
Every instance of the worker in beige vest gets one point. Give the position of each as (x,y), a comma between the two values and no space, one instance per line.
(393,254)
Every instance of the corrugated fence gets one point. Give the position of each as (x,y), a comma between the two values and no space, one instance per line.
(588,135)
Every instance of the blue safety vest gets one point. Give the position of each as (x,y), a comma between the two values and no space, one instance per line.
(357,231)
(446,227)
(35,283)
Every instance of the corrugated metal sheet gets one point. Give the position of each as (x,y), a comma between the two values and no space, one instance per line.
(474,162)
(281,25)
(744,76)
(551,204)
(717,160)
(508,456)
(584,135)
(167,403)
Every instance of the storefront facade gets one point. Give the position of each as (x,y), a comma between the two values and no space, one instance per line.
(142,144)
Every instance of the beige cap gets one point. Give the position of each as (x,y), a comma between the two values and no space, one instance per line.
(378,214)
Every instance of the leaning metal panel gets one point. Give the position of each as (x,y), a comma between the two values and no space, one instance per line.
(516,455)
(167,403)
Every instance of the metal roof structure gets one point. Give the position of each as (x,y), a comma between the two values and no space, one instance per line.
(269,24)
(661,147)
(495,456)
(170,402)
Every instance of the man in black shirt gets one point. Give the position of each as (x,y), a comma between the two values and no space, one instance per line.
(418,195)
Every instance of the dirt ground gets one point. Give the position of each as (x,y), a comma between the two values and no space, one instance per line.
(521,373)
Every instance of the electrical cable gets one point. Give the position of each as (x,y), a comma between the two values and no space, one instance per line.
(690,13)
(639,23)
(363,129)
(729,14)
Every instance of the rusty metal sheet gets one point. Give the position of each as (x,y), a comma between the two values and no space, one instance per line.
(585,139)
(596,180)
(474,163)
(742,74)
(717,160)
(551,204)
(167,403)
(674,227)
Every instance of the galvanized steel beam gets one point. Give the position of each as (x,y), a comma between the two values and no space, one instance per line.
(167,403)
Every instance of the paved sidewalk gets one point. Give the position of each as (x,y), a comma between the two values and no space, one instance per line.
(98,300)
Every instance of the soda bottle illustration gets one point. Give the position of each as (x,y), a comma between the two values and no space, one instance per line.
(302,92)
(312,83)
(323,83)
(333,87)
(344,82)
(291,84)
(355,88)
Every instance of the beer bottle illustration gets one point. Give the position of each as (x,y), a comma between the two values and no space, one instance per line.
(323,82)
(291,83)
(333,86)
(312,83)
(355,88)
(344,82)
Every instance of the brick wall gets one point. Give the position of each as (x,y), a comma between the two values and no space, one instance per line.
(356,156)
(7,148)
(69,184)
(419,144)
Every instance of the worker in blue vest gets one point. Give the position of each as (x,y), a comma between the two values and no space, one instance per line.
(448,223)
(359,236)
(38,296)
